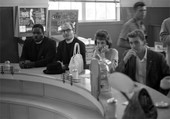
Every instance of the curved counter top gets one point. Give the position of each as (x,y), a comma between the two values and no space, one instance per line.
(32,88)
(33,82)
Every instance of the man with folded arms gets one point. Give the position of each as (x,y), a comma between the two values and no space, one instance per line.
(142,64)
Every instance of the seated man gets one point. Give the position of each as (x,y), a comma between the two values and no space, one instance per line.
(39,50)
(142,64)
(65,48)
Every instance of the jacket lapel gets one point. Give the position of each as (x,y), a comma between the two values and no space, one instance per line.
(41,49)
(72,48)
(65,54)
(149,62)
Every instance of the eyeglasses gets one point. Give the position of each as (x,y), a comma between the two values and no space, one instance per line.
(66,30)
(36,33)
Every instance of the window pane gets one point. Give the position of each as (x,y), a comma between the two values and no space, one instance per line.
(67,6)
(53,5)
(90,11)
(118,11)
(77,6)
(64,5)
(111,11)
(100,11)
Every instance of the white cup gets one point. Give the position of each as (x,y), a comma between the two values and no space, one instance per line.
(165,83)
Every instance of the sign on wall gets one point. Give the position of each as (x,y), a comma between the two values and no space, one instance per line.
(58,17)
(27,17)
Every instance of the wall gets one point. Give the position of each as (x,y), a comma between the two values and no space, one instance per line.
(8,44)
(158,10)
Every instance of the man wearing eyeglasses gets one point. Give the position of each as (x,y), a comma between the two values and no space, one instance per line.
(65,48)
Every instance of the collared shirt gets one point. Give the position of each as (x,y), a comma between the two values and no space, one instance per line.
(40,41)
(70,41)
(131,25)
(141,68)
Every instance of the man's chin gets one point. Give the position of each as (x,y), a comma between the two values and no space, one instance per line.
(67,39)
(37,40)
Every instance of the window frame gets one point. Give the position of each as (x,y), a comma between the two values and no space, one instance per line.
(84,20)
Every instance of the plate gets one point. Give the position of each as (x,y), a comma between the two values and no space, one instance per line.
(162,104)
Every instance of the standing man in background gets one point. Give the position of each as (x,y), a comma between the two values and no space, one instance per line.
(134,23)
(165,37)
(38,51)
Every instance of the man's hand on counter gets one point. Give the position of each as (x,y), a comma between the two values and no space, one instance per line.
(26,64)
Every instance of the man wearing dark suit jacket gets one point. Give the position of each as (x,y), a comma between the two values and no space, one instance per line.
(39,50)
(66,47)
(142,64)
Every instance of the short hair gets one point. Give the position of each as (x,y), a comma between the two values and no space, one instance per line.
(38,26)
(137,33)
(68,24)
(102,35)
(137,4)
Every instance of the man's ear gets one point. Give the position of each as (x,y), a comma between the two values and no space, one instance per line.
(144,42)
(74,30)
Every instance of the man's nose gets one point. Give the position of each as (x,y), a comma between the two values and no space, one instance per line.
(133,45)
(99,44)
(35,35)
